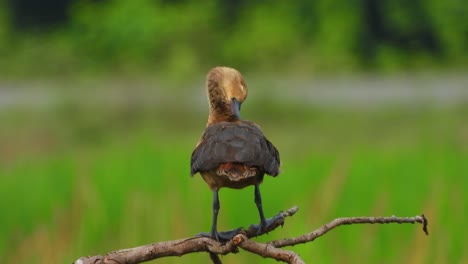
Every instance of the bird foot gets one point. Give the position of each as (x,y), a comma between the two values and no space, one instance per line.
(264,227)
(221,236)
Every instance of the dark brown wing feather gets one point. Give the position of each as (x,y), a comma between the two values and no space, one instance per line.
(239,142)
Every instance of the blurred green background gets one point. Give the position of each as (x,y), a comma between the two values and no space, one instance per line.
(102,103)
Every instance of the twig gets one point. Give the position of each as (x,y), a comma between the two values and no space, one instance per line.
(349,221)
(215,258)
(267,251)
(241,240)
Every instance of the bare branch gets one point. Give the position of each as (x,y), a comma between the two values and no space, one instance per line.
(266,250)
(183,246)
(241,240)
(215,258)
(349,221)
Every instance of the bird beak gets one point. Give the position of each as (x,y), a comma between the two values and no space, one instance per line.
(235,107)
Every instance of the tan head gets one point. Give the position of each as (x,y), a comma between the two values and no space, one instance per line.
(226,91)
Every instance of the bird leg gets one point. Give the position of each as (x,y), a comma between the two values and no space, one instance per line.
(216,206)
(219,236)
(258,201)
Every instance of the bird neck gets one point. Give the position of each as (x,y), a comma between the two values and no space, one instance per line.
(221,112)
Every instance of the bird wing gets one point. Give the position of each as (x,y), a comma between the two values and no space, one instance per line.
(239,142)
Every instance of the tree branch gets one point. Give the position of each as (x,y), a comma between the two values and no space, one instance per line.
(183,246)
(266,250)
(349,221)
(242,239)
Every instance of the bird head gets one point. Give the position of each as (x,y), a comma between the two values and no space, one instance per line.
(226,91)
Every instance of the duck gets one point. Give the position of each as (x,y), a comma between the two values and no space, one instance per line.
(232,152)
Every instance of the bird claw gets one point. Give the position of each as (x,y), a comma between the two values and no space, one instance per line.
(221,236)
(263,227)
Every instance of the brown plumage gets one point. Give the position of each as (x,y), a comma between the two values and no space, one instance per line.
(231,152)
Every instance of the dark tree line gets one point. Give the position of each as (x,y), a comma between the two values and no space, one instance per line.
(364,30)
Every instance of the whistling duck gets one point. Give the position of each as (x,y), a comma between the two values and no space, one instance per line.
(232,152)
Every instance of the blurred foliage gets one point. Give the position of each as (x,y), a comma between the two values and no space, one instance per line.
(84,180)
(179,38)
(83,173)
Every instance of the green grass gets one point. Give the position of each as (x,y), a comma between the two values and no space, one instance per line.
(87,196)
